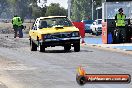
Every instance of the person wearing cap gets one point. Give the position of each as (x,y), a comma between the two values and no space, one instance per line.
(120,24)
(17,26)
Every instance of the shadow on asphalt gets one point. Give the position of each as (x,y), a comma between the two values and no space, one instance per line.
(62,51)
(57,51)
(86,51)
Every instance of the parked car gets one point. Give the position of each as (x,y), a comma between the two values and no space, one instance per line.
(88,23)
(96,27)
(54,31)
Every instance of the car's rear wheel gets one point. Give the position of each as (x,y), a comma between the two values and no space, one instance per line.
(77,47)
(42,48)
(33,46)
(97,33)
(92,33)
(67,47)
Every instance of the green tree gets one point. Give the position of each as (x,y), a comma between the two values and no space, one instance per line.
(28,9)
(12,7)
(38,11)
(3,8)
(55,10)
(82,9)
(43,11)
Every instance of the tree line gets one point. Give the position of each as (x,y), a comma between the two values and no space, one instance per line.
(28,9)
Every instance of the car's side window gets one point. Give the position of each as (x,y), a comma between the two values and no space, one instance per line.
(34,27)
(39,22)
(36,24)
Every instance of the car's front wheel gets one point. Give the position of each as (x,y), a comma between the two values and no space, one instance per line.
(42,48)
(77,47)
(33,46)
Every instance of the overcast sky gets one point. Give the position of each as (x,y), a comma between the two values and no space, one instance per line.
(63,3)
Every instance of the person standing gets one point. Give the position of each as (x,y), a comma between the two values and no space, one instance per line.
(20,27)
(120,24)
(17,26)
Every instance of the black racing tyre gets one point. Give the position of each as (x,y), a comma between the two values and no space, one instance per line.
(33,46)
(42,48)
(81,80)
(92,33)
(67,47)
(77,47)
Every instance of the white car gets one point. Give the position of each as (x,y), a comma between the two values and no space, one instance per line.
(96,27)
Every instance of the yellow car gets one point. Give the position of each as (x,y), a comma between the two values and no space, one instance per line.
(54,31)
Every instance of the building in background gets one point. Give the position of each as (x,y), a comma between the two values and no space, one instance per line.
(99,12)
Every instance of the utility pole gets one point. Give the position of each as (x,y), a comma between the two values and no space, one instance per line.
(92,9)
(69,8)
(93,2)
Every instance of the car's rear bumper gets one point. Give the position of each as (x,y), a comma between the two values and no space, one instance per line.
(88,31)
(97,31)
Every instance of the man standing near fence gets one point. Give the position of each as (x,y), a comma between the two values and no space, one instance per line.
(120,24)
